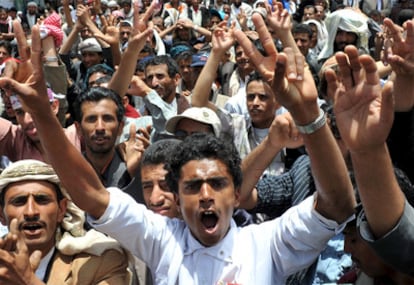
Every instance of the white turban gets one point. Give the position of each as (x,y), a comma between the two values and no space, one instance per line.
(350,21)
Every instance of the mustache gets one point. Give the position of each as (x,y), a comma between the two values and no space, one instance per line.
(99,136)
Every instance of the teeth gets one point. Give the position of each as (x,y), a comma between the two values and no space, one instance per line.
(32,227)
(208,213)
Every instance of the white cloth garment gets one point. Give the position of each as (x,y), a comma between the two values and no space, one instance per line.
(256,254)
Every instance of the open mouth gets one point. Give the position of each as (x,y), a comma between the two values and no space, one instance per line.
(243,61)
(209,219)
(31,228)
(100,139)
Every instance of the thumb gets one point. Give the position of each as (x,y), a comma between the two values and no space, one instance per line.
(35,259)
(279,83)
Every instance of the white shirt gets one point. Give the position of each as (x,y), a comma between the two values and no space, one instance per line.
(255,254)
(44,262)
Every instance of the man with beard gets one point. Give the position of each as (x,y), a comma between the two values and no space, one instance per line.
(31,16)
(99,122)
(49,228)
(345,27)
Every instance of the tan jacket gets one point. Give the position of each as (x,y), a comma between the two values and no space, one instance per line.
(86,269)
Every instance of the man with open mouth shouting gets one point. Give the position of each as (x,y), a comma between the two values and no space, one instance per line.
(206,247)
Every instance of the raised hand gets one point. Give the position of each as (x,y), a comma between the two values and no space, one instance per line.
(222,38)
(82,13)
(399,46)
(364,111)
(24,68)
(111,36)
(17,266)
(133,148)
(296,93)
(138,87)
(242,19)
(278,19)
(141,22)
(264,64)
(399,53)
(33,92)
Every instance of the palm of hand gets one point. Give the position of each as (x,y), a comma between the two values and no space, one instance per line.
(111,36)
(359,118)
(222,40)
(266,66)
(296,92)
(280,24)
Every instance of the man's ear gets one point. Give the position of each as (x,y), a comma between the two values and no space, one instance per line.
(78,128)
(125,101)
(55,106)
(63,205)
(3,218)
(121,127)
(236,197)
(177,201)
(177,78)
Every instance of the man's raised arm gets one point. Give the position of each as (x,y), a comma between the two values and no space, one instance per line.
(297,92)
(364,114)
(76,174)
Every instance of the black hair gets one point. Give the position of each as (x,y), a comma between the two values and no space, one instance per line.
(148,49)
(310,6)
(257,44)
(404,15)
(6,44)
(159,151)
(185,55)
(302,29)
(103,79)
(125,2)
(96,94)
(197,147)
(101,67)
(255,76)
(167,60)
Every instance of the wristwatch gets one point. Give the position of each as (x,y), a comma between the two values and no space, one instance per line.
(315,125)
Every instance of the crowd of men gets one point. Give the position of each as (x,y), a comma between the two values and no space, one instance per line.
(207,142)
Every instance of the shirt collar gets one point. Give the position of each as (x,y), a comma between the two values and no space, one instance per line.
(41,270)
(221,251)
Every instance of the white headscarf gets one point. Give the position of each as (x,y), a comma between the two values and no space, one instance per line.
(350,21)
(322,34)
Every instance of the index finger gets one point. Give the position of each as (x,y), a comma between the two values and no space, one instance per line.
(150,10)
(409,29)
(370,67)
(21,41)
(36,52)
(264,35)
(393,31)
